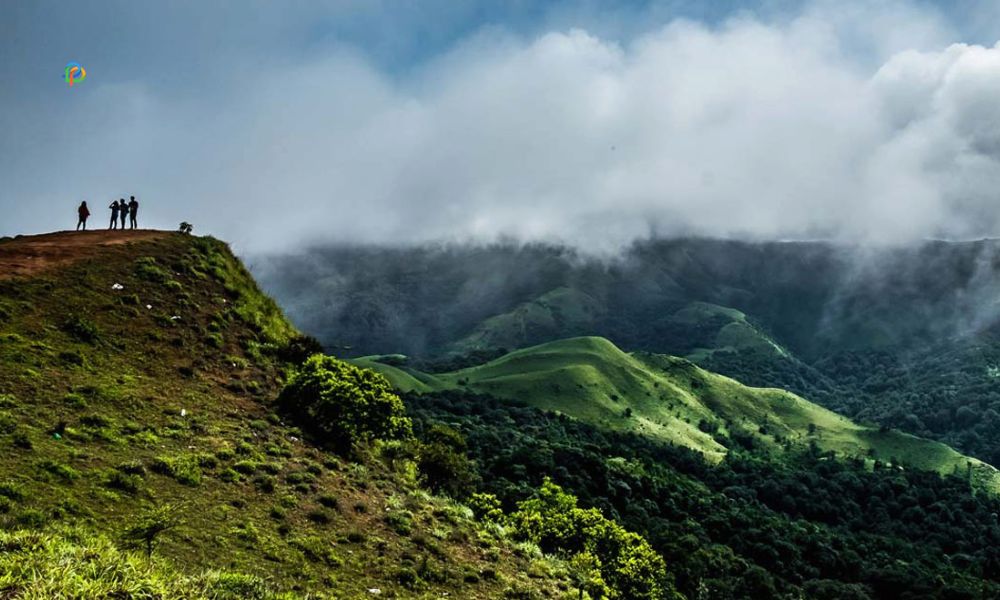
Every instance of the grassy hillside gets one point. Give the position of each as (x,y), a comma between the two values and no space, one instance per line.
(723,329)
(673,400)
(136,388)
(561,312)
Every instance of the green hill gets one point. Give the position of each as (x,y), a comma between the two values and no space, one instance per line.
(137,375)
(559,313)
(723,329)
(673,400)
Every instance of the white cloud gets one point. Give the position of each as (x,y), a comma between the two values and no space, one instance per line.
(750,128)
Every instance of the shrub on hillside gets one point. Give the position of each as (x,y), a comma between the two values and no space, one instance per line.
(146,268)
(81,329)
(343,404)
(622,560)
(443,464)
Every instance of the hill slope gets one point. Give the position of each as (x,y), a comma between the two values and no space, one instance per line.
(673,400)
(136,380)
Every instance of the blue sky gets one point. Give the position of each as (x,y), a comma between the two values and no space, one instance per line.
(405,121)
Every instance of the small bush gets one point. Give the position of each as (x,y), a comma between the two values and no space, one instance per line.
(247,467)
(22,440)
(129,483)
(407,577)
(58,470)
(316,549)
(355,537)
(71,358)
(400,521)
(271,467)
(319,516)
(146,268)
(32,518)
(184,469)
(81,329)
(265,483)
(11,490)
(95,421)
(75,400)
(343,404)
(7,423)
(329,501)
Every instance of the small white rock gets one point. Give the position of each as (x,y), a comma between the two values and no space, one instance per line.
(184,412)
(149,307)
(118,286)
(374,591)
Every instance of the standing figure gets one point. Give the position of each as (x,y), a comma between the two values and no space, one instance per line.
(133,210)
(83,212)
(114,215)
(123,210)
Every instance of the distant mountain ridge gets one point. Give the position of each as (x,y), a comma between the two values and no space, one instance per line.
(810,296)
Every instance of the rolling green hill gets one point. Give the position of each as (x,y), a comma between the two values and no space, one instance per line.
(723,329)
(562,312)
(673,400)
(137,379)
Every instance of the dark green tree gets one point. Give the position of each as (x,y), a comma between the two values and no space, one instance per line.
(344,405)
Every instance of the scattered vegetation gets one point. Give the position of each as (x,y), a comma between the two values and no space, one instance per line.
(140,451)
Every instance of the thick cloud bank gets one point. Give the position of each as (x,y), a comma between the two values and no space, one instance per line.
(747,129)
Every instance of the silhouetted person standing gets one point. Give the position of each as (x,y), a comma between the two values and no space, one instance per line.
(114,215)
(133,210)
(123,210)
(83,212)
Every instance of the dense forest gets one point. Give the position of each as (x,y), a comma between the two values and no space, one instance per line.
(751,526)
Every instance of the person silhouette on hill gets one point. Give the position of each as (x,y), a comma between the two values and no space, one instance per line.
(133,210)
(114,215)
(123,210)
(83,212)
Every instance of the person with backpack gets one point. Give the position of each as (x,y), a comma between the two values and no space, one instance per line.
(83,213)
(114,215)
(133,210)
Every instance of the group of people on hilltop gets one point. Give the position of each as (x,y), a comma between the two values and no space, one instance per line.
(119,211)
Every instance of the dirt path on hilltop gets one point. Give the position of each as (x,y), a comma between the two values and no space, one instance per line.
(30,254)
